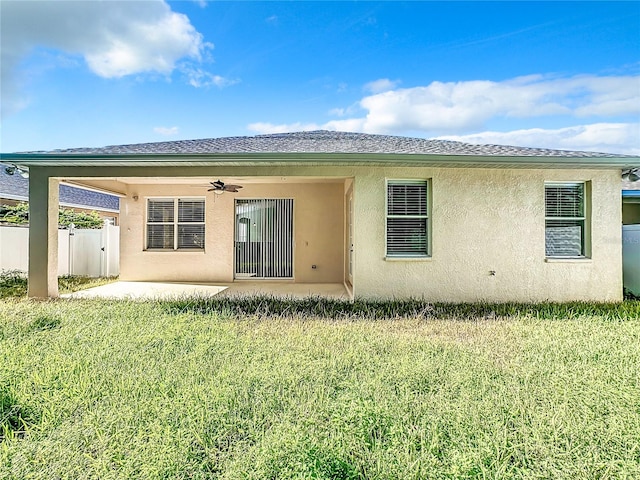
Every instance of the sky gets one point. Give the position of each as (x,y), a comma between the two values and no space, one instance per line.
(91,73)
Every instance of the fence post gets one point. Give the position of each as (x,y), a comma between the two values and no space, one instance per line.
(72,230)
(104,270)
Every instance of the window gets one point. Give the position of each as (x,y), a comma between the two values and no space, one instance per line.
(175,224)
(407,220)
(565,220)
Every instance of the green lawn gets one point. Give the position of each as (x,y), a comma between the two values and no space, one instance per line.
(13,283)
(195,389)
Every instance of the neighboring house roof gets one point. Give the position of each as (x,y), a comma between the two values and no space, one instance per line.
(321,147)
(15,187)
(629,185)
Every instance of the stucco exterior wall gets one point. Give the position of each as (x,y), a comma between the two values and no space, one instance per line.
(485,220)
(318,233)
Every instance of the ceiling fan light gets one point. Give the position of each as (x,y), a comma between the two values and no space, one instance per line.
(218,192)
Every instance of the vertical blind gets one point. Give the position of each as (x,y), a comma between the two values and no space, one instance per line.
(264,238)
(407,218)
(167,231)
(564,219)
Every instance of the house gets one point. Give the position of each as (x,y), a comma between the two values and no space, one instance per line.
(390,217)
(630,202)
(14,188)
(631,235)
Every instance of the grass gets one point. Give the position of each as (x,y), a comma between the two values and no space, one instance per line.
(270,390)
(311,307)
(13,283)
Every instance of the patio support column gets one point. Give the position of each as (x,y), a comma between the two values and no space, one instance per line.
(43,235)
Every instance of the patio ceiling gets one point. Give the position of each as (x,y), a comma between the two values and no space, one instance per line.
(117,185)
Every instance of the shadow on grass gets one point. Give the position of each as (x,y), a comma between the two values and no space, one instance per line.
(314,307)
(14,418)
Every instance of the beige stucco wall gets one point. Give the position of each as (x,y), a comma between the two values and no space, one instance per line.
(486,220)
(318,233)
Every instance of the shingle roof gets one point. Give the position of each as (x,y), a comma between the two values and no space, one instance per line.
(323,141)
(16,187)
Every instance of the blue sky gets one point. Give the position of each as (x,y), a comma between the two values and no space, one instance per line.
(545,74)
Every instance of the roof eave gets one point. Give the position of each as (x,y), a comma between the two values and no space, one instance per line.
(311,159)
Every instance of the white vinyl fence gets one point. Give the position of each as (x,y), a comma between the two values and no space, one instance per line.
(631,257)
(92,253)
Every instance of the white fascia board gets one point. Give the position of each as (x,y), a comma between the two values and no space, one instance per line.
(312,159)
(89,207)
(90,188)
(18,198)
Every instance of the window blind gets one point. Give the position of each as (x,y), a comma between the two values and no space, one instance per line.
(160,211)
(191,236)
(190,211)
(159,236)
(406,199)
(166,230)
(564,201)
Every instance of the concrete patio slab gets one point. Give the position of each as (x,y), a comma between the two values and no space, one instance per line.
(164,291)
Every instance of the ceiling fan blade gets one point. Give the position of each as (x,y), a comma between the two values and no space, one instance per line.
(219,186)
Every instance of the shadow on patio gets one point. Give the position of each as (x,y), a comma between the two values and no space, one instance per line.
(165,291)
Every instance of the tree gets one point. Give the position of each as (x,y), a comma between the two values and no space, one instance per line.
(15,214)
(19,215)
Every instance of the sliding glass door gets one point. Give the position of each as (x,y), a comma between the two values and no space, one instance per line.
(264,238)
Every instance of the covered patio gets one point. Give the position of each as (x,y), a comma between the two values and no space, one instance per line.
(172,290)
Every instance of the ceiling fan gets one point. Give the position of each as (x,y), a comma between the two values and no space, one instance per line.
(631,174)
(219,187)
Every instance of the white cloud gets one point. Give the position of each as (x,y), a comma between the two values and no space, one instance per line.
(457,107)
(343,112)
(381,85)
(167,131)
(114,38)
(197,77)
(622,138)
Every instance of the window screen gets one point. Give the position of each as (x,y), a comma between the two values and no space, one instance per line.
(407,220)
(565,219)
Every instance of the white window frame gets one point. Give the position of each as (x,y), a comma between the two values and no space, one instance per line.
(584,219)
(427,218)
(176,223)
